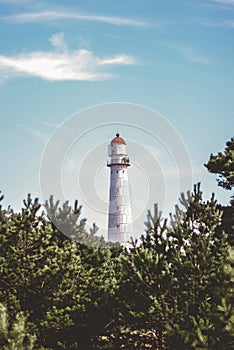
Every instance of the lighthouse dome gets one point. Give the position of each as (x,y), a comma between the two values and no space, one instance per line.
(118,139)
(117,146)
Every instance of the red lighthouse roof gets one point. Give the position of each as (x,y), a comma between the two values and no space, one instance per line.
(118,139)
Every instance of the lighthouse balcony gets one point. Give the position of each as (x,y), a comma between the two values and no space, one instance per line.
(118,161)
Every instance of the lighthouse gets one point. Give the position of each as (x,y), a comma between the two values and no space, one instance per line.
(120,213)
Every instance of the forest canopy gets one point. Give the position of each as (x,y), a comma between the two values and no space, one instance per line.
(173,290)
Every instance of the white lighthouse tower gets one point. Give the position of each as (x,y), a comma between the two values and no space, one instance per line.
(120,213)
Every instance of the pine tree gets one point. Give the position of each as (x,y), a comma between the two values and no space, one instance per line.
(176,289)
(201,281)
(60,282)
(223,165)
(140,308)
(173,291)
(14,334)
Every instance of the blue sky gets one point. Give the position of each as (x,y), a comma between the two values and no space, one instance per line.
(60,57)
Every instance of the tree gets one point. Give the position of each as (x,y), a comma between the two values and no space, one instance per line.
(140,307)
(15,334)
(176,289)
(201,304)
(62,283)
(223,165)
(173,291)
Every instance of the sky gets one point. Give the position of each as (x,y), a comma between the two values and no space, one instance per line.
(73,73)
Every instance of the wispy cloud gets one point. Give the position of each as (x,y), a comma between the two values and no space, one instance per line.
(35,133)
(62,64)
(58,41)
(190,53)
(216,23)
(51,125)
(63,15)
(13,1)
(224,2)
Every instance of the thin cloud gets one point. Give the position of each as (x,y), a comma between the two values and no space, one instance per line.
(224,2)
(190,53)
(120,59)
(58,41)
(56,15)
(214,23)
(13,1)
(62,64)
(35,133)
(51,125)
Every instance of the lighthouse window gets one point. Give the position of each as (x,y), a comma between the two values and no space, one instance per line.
(117,171)
(123,171)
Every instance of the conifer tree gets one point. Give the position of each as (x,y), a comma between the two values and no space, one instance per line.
(14,334)
(140,308)
(62,283)
(223,165)
(172,291)
(201,280)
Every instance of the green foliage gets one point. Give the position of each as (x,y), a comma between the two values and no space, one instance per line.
(173,286)
(67,220)
(62,283)
(14,334)
(227,224)
(173,290)
(223,165)
(200,280)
